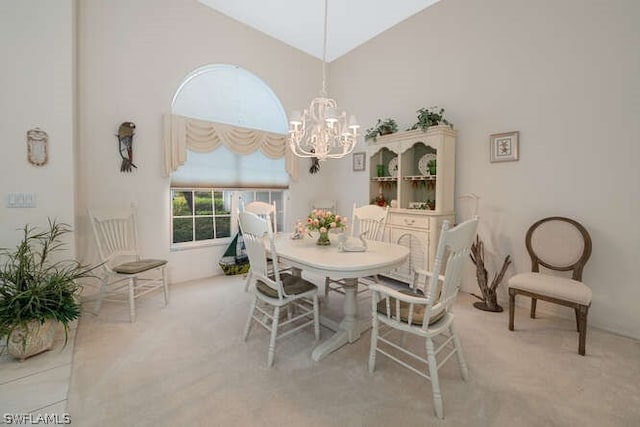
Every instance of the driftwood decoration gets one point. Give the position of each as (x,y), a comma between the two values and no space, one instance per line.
(489,301)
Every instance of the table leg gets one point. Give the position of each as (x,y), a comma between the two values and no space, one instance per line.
(349,328)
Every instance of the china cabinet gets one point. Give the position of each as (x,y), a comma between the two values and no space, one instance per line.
(414,172)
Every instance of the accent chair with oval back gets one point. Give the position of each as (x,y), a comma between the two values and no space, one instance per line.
(559,244)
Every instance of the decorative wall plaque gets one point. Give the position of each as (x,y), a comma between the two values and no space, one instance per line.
(37,147)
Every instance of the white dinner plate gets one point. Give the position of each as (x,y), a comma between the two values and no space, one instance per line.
(423,163)
(392,167)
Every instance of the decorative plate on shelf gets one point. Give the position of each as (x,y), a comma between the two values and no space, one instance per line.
(392,167)
(423,163)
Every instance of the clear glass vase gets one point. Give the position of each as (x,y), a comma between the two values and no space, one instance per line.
(323,238)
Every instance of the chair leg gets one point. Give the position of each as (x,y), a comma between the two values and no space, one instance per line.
(583,311)
(533,307)
(464,372)
(512,307)
(374,343)
(316,317)
(247,326)
(165,286)
(132,300)
(577,319)
(248,282)
(274,333)
(101,293)
(435,383)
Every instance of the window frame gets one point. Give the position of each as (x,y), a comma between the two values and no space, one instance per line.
(236,207)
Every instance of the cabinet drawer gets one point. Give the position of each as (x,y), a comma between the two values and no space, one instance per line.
(414,221)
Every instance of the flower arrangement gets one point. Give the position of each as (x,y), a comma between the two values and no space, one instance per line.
(323,221)
(379,200)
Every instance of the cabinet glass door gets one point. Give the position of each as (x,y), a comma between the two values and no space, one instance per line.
(384,169)
(419,169)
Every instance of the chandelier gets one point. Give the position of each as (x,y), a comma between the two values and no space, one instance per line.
(320,131)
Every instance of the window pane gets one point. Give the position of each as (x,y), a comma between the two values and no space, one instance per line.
(182,203)
(204,228)
(182,230)
(203,203)
(223,227)
(223,202)
(230,94)
(247,197)
(276,196)
(262,196)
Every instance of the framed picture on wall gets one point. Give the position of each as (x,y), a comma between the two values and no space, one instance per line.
(504,147)
(359,161)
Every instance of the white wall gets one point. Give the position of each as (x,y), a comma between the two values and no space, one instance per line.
(132,57)
(36,87)
(564,74)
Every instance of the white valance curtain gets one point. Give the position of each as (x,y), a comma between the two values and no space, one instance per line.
(182,133)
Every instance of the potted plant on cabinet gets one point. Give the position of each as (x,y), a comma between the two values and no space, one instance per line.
(37,291)
(432,165)
(383,127)
(432,116)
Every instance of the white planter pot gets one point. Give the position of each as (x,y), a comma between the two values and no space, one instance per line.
(32,339)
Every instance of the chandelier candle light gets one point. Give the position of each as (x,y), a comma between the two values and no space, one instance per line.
(320,131)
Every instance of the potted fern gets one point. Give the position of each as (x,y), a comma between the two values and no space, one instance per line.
(36,291)
(432,116)
(382,127)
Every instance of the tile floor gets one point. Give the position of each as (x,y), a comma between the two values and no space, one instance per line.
(37,386)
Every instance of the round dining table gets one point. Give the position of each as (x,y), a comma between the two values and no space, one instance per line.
(305,255)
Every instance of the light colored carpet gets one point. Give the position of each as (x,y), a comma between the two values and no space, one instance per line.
(186,365)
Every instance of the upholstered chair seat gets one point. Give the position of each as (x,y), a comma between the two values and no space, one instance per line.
(552,286)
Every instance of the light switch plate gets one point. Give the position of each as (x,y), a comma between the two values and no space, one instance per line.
(21,200)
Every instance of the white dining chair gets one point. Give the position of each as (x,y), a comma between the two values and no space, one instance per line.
(324,205)
(123,267)
(367,221)
(264,210)
(275,289)
(427,316)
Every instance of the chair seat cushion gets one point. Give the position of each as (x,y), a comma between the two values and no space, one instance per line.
(139,266)
(552,286)
(292,286)
(418,310)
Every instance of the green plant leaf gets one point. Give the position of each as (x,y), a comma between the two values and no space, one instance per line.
(35,287)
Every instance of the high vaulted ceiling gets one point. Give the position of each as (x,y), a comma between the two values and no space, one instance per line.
(300,23)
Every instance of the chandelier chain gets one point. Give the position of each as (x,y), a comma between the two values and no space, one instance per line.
(324,51)
(321,131)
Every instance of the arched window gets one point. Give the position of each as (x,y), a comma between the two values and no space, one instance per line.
(208,188)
